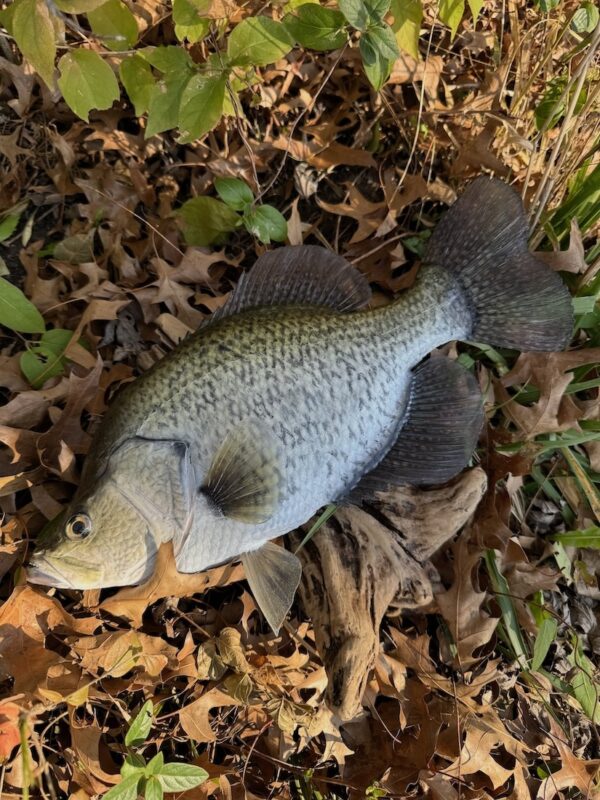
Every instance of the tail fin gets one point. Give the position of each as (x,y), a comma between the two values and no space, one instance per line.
(517,300)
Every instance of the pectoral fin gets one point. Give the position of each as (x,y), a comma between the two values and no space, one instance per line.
(273,574)
(244,477)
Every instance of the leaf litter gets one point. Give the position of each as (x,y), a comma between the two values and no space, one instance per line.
(451,708)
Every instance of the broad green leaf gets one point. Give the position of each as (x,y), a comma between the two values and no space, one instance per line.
(316,27)
(154,789)
(140,726)
(8,226)
(548,5)
(127,789)
(57,340)
(87,82)
(356,12)
(78,6)
(377,9)
(201,105)
(39,363)
(451,12)
(235,192)
(543,640)
(266,223)
(115,24)
(169,59)
(136,77)
(189,21)
(585,688)
(258,41)
(377,68)
(206,220)
(475,6)
(33,29)
(586,18)
(176,777)
(382,40)
(165,101)
(155,764)
(132,765)
(17,312)
(408,15)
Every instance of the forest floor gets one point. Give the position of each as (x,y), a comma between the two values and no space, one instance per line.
(493,690)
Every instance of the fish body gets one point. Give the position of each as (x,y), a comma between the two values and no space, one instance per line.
(274,410)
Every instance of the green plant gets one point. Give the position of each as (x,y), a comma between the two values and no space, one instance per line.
(151,778)
(206,220)
(176,91)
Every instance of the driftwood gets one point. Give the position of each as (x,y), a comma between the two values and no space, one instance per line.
(364,561)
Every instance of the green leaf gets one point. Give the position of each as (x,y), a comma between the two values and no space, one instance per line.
(78,6)
(377,9)
(235,192)
(169,59)
(475,6)
(17,312)
(585,688)
(206,220)
(134,764)
(115,24)
(140,726)
(33,29)
(586,18)
(382,40)
(266,223)
(154,789)
(201,105)
(451,12)
(87,82)
(316,27)
(543,640)
(155,764)
(40,363)
(176,777)
(356,12)
(377,68)
(165,102)
(587,538)
(8,226)
(408,15)
(127,789)
(189,21)
(258,41)
(136,77)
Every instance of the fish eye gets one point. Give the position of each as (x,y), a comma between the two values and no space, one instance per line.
(79,526)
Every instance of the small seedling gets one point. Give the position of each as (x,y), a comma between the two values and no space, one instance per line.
(153,778)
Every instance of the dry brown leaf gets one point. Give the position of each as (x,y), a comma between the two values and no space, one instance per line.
(131,602)
(195,719)
(574,773)
(461,605)
(9,729)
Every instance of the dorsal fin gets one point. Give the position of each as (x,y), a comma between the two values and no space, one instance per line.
(438,434)
(301,275)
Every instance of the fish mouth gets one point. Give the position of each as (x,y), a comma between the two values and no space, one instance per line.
(42,570)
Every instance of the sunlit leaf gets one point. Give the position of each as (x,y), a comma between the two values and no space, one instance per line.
(87,82)
(201,105)
(140,726)
(206,220)
(235,192)
(34,32)
(316,27)
(408,15)
(258,41)
(115,24)
(17,312)
(136,77)
(267,224)
(451,13)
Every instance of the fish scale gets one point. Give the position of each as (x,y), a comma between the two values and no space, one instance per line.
(282,404)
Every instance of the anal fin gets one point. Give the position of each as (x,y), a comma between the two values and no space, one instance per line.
(273,574)
(439,432)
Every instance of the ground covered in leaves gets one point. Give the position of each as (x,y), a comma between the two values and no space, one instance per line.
(490,692)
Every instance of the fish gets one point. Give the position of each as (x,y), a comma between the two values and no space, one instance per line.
(295,395)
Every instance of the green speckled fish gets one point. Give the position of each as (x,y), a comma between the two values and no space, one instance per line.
(293,397)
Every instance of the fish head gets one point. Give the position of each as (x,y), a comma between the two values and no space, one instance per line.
(100,540)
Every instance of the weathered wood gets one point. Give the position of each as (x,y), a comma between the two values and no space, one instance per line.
(364,561)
